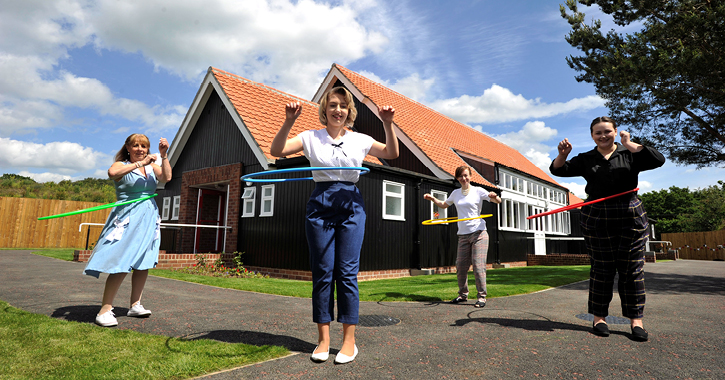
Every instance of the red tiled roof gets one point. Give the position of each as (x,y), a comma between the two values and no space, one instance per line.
(261,108)
(438,135)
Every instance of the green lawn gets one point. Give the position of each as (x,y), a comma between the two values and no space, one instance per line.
(39,347)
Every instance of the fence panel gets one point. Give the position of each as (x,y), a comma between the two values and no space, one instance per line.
(20,227)
(708,245)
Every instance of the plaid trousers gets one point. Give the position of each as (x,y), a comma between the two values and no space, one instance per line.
(472,249)
(615,232)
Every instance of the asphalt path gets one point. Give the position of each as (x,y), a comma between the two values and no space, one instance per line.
(540,335)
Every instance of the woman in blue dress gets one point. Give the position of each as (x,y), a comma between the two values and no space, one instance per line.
(130,240)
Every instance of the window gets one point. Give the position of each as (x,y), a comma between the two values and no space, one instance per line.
(267,201)
(393,201)
(435,211)
(176,206)
(166,209)
(248,198)
(513,214)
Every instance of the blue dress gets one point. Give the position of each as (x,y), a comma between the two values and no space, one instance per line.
(130,238)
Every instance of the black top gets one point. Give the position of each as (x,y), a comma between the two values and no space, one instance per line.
(613,176)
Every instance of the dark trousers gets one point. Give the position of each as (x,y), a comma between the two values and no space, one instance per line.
(335,227)
(615,232)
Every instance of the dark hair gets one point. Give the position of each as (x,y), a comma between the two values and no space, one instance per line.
(123,154)
(460,169)
(601,119)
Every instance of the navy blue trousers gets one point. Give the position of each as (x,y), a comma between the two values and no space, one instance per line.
(335,228)
(615,232)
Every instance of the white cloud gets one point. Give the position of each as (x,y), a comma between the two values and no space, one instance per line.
(644,186)
(65,157)
(577,189)
(286,44)
(528,141)
(413,86)
(30,101)
(498,105)
(45,177)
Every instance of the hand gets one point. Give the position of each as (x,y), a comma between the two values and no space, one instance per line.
(492,195)
(624,136)
(428,197)
(564,147)
(163,147)
(150,158)
(292,110)
(386,114)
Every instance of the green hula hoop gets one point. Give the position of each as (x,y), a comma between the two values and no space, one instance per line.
(96,208)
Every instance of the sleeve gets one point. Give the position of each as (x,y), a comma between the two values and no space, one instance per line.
(571,168)
(647,159)
(450,200)
(483,193)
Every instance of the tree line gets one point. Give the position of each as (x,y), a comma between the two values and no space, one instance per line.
(85,190)
(683,210)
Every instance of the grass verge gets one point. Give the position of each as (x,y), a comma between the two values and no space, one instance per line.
(432,288)
(39,347)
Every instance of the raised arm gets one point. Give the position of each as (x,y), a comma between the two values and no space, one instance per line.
(281,146)
(435,200)
(564,148)
(389,150)
(163,172)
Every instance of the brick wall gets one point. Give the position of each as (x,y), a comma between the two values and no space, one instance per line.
(184,260)
(558,259)
(169,260)
(228,174)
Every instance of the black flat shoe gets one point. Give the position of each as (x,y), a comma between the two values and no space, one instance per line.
(639,334)
(600,329)
(480,304)
(459,300)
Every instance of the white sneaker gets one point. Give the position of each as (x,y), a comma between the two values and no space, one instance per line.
(107,319)
(138,310)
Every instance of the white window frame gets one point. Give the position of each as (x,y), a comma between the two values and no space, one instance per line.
(387,195)
(443,212)
(176,207)
(249,197)
(166,208)
(266,200)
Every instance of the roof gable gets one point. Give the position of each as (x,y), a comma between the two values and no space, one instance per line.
(434,134)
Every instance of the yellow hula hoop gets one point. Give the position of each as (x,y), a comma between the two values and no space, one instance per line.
(451,219)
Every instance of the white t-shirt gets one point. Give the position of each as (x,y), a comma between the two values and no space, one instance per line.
(323,151)
(469,206)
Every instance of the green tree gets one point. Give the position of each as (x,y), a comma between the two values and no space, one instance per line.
(709,213)
(681,210)
(670,210)
(665,81)
(87,190)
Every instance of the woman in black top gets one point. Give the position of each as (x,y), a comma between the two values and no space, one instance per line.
(615,230)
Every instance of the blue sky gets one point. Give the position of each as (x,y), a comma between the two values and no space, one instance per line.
(78,76)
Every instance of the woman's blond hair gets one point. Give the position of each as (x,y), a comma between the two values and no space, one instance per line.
(351,110)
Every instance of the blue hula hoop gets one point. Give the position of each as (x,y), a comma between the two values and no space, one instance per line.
(251,177)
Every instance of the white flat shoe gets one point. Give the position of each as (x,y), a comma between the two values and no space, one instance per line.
(107,319)
(343,359)
(320,356)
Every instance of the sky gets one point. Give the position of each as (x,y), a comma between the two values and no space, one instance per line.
(78,76)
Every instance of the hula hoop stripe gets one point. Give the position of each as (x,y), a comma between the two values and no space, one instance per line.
(452,220)
(96,208)
(252,176)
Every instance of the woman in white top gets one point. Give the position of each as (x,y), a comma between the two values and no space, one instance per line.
(472,235)
(335,217)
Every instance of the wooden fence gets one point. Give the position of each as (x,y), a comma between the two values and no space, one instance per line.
(20,227)
(698,245)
